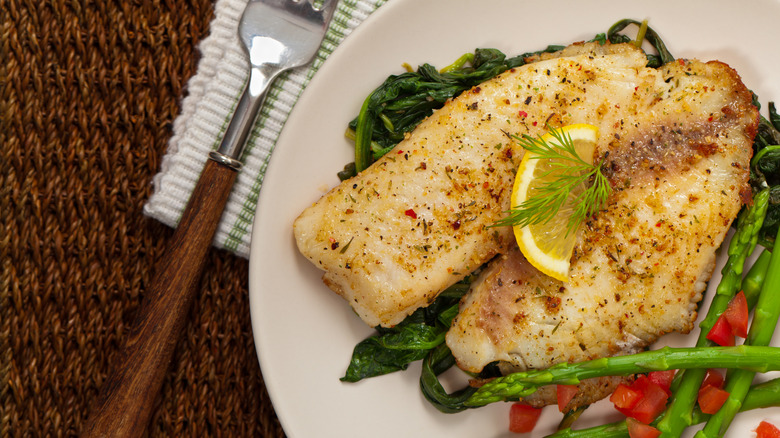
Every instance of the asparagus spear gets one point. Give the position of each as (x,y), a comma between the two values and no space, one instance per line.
(760,396)
(754,279)
(686,385)
(521,384)
(761,330)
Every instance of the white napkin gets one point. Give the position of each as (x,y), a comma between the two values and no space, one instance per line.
(213,92)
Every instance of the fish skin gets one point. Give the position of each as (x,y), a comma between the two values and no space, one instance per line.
(679,169)
(418,220)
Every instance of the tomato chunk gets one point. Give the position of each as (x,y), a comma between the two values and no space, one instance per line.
(662,379)
(565,393)
(713,378)
(711,399)
(720,333)
(624,397)
(737,315)
(523,418)
(640,430)
(651,402)
(767,430)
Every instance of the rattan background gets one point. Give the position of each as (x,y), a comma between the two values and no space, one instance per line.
(89,92)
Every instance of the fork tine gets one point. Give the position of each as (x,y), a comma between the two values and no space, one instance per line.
(321,8)
(328,5)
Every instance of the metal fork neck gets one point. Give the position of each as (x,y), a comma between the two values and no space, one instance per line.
(240,126)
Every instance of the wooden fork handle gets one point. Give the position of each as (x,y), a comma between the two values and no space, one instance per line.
(124,405)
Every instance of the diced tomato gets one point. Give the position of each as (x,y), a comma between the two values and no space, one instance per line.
(767,430)
(640,430)
(712,378)
(565,393)
(711,399)
(720,333)
(737,315)
(624,397)
(641,383)
(651,402)
(523,418)
(662,379)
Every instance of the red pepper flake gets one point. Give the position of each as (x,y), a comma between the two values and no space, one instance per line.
(400,152)
(659,223)
(485,185)
(534,123)
(681,61)
(709,119)
(411,213)
(523,114)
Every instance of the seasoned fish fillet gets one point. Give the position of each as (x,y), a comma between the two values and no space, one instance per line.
(415,222)
(677,158)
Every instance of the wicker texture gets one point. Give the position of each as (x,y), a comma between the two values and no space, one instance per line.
(89,92)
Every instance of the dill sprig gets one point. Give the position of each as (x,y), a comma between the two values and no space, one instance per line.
(568,174)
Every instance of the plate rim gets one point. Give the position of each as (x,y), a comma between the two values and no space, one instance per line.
(274,388)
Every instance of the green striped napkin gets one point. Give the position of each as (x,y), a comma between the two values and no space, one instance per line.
(212,94)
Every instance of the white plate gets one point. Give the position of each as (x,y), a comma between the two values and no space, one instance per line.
(304,333)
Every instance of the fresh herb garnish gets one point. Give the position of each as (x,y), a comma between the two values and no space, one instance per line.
(568,172)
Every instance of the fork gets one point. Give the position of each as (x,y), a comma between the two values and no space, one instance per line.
(277,35)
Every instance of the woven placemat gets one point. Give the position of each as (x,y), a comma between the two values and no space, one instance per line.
(89,92)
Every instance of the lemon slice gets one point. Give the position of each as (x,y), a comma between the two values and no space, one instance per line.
(549,246)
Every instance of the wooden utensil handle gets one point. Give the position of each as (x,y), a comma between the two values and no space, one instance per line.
(124,406)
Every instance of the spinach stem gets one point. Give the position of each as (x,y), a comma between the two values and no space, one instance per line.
(466,58)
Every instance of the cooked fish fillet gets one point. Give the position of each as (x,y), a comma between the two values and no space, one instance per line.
(678,159)
(415,222)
